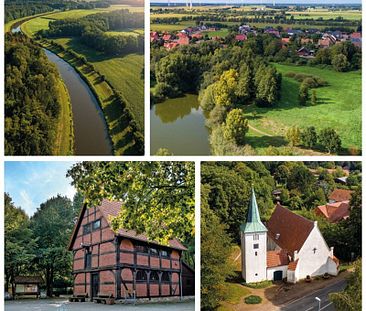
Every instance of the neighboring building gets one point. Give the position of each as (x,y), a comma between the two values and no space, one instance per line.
(291,247)
(339,195)
(27,285)
(241,37)
(123,262)
(154,36)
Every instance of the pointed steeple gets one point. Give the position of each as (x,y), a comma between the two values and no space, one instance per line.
(253,223)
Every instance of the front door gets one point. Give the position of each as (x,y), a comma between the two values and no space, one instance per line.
(94,284)
(277,276)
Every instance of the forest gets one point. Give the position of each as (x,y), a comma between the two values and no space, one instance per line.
(91,30)
(32,101)
(18,9)
(226,188)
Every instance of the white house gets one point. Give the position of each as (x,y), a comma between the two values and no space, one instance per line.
(290,247)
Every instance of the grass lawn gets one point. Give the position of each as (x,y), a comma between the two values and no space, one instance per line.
(339,107)
(127,79)
(219,33)
(64,144)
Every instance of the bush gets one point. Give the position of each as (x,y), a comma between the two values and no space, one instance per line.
(252,300)
(263,284)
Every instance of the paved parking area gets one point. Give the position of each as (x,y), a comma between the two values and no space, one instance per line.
(64,305)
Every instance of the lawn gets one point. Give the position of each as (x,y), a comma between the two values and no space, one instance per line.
(339,107)
(64,144)
(219,33)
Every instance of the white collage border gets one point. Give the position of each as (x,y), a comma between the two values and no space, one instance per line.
(148,157)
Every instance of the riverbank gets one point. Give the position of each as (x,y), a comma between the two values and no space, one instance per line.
(121,128)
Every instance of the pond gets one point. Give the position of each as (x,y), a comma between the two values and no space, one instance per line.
(179,125)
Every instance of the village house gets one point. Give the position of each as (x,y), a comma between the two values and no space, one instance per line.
(123,263)
(337,208)
(241,37)
(289,247)
(154,36)
(304,52)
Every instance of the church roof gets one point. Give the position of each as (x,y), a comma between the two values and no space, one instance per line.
(288,230)
(253,223)
(277,258)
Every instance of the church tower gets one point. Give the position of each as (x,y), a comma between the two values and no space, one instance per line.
(253,235)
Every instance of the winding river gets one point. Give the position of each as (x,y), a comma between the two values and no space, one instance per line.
(179,125)
(90,130)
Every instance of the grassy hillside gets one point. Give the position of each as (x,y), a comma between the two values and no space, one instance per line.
(339,107)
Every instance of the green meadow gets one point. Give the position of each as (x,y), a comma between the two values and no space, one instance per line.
(338,107)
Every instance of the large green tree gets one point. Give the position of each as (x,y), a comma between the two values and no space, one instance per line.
(158,197)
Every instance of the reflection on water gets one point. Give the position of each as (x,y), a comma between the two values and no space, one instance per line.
(179,125)
(176,108)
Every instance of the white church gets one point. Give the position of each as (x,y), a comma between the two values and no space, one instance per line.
(290,247)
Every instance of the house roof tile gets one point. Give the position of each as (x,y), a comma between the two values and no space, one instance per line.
(340,195)
(277,258)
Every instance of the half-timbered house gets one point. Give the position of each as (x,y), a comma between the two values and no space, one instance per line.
(122,263)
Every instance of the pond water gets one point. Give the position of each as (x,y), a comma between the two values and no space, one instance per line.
(179,125)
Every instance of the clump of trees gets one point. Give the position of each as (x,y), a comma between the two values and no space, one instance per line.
(327,139)
(32,101)
(91,30)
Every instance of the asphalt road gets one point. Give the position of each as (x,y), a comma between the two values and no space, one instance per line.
(64,305)
(308,303)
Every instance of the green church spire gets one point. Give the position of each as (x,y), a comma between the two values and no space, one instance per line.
(253,223)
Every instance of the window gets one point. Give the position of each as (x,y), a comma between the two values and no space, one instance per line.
(96,224)
(141,275)
(255,246)
(154,277)
(88,258)
(256,237)
(141,249)
(86,229)
(154,251)
(256,253)
(164,253)
(165,277)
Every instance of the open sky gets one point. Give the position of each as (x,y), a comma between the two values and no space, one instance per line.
(318,2)
(31,183)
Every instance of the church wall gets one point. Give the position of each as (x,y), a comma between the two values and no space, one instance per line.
(255,259)
(271,271)
(313,262)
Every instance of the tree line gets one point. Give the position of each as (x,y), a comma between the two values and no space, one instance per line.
(225,196)
(23,8)
(32,101)
(92,31)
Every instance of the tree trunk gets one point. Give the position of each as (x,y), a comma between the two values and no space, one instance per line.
(48,285)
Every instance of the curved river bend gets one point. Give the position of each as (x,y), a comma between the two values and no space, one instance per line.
(90,130)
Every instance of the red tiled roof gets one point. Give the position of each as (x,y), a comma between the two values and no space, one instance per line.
(111,209)
(334,212)
(277,258)
(339,195)
(292,265)
(292,229)
(241,37)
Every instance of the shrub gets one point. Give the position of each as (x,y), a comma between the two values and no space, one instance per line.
(252,300)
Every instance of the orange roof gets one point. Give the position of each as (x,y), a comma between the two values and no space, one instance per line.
(288,230)
(277,258)
(339,195)
(109,210)
(334,212)
(292,265)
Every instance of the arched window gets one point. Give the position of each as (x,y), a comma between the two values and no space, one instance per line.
(154,277)
(165,277)
(141,275)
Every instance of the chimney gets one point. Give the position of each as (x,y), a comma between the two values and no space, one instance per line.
(295,255)
(315,224)
(332,251)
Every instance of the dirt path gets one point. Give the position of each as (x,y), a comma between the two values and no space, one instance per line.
(258,131)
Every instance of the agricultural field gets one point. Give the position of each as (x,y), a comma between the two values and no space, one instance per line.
(127,79)
(339,107)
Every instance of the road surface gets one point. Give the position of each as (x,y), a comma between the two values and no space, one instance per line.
(308,302)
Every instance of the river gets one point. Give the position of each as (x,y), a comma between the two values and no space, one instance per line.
(179,125)
(90,130)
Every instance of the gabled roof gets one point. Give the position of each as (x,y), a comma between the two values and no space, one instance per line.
(334,212)
(339,195)
(288,230)
(253,223)
(109,210)
(277,258)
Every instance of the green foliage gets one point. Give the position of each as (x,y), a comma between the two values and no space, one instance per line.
(236,126)
(330,140)
(351,298)
(303,94)
(314,98)
(215,251)
(158,197)
(293,136)
(32,101)
(252,300)
(225,88)
(163,152)
(340,62)
(309,137)
(263,284)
